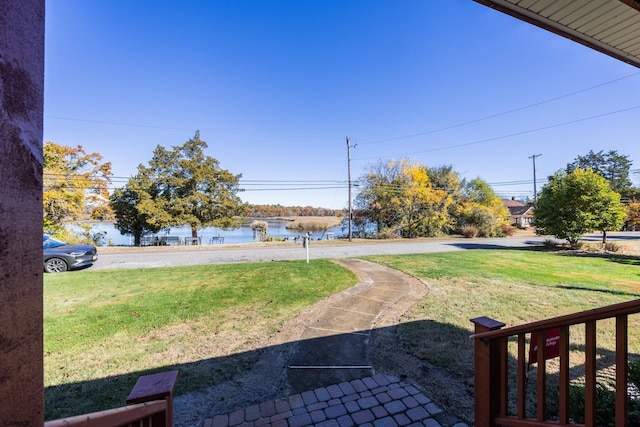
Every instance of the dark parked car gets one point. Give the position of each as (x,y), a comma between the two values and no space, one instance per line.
(59,256)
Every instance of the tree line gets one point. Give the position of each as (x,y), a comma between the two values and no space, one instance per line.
(396,198)
(275,211)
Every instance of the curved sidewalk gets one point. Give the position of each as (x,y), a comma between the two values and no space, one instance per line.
(330,376)
(333,346)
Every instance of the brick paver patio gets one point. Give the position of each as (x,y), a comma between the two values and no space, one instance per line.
(377,401)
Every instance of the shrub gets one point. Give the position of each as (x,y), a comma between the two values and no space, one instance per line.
(605,404)
(388,233)
(550,244)
(634,378)
(591,247)
(634,373)
(470,231)
(507,230)
(612,247)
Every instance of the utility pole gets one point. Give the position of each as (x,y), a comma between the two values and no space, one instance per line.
(349,183)
(535,189)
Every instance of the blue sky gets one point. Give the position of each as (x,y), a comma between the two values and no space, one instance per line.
(275,87)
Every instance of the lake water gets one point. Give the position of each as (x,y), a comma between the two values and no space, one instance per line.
(243,234)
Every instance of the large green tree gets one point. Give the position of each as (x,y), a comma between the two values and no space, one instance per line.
(572,204)
(131,205)
(181,186)
(612,166)
(75,185)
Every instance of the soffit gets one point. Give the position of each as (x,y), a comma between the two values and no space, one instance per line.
(609,26)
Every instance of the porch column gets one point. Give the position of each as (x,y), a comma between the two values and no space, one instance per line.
(21,105)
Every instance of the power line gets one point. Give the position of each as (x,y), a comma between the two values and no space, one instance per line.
(103,122)
(294,188)
(276,184)
(492,116)
(80,176)
(112,123)
(511,135)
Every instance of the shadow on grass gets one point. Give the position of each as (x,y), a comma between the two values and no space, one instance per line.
(632,260)
(530,245)
(613,237)
(436,356)
(604,291)
(281,370)
(533,245)
(76,398)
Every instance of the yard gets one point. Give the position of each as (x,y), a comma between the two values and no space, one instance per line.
(105,328)
(514,287)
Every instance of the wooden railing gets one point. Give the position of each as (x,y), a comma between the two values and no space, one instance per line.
(491,368)
(150,405)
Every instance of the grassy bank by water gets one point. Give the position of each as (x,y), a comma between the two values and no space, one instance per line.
(311,223)
(102,329)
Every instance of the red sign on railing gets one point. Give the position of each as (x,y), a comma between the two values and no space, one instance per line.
(552,345)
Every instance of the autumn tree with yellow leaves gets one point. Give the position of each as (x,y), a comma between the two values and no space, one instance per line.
(632,220)
(399,197)
(425,208)
(75,185)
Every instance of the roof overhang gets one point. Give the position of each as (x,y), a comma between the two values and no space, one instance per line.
(608,26)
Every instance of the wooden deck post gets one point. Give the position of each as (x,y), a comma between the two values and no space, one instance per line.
(156,387)
(486,371)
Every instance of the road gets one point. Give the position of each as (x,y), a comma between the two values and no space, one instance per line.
(146,257)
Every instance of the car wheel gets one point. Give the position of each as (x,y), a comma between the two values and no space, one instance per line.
(55,265)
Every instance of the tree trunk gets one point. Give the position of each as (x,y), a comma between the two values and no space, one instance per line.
(604,237)
(194,232)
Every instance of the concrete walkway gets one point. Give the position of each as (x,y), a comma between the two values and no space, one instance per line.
(330,376)
(333,347)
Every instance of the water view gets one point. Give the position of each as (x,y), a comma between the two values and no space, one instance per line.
(213,235)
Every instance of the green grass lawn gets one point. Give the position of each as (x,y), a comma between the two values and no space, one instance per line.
(514,287)
(103,329)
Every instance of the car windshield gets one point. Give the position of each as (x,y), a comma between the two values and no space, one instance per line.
(49,242)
